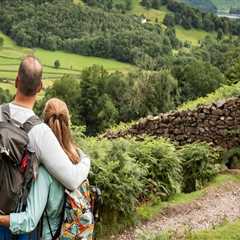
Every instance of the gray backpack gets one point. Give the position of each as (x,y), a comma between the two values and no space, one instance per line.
(16,162)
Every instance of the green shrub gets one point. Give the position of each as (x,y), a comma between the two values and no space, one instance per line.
(5,96)
(220,94)
(232,158)
(199,165)
(164,176)
(146,235)
(116,173)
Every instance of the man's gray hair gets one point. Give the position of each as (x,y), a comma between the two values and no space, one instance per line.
(30,75)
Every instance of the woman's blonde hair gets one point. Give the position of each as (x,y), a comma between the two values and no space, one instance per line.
(56,116)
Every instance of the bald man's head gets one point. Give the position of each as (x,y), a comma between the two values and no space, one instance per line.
(29,76)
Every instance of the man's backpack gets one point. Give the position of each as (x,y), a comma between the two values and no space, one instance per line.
(80,213)
(16,162)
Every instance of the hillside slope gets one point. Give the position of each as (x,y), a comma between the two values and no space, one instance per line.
(205,5)
(211,5)
(226,4)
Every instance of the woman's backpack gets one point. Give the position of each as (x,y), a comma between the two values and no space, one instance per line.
(79,214)
(16,162)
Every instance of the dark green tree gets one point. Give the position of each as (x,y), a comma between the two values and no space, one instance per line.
(220,34)
(96,107)
(169,20)
(57,64)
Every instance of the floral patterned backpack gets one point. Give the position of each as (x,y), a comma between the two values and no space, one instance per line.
(79,214)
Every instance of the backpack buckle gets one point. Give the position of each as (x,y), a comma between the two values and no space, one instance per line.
(5,151)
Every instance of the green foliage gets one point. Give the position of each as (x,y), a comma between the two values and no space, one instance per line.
(68,89)
(137,176)
(189,17)
(233,73)
(153,92)
(227,231)
(222,93)
(99,100)
(199,168)
(86,31)
(5,96)
(117,173)
(163,164)
(169,20)
(96,107)
(145,235)
(205,5)
(232,158)
(197,79)
(156,4)
(57,64)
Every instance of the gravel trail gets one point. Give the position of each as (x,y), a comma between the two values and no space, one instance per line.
(216,206)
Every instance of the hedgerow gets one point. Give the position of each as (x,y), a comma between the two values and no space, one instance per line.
(131,172)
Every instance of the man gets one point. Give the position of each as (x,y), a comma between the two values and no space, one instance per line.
(42,140)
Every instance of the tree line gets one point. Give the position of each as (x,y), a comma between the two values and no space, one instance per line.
(110,5)
(83,30)
(99,99)
(190,17)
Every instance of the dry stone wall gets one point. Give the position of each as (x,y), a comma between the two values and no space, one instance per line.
(218,124)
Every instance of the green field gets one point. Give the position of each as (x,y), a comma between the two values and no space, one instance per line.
(193,35)
(151,14)
(228,231)
(226,4)
(11,54)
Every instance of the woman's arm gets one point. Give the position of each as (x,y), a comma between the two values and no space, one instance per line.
(27,221)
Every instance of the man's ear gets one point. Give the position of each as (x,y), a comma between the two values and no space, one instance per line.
(40,87)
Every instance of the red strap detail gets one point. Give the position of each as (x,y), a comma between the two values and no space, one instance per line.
(24,162)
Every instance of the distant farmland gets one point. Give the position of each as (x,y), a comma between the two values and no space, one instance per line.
(11,55)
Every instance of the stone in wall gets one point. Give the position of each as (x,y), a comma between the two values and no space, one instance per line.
(218,124)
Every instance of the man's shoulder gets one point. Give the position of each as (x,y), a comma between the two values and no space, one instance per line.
(41,127)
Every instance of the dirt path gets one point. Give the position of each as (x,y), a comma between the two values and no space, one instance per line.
(216,206)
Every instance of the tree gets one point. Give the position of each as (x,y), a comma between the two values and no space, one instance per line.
(57,64)
(68,89)
(169,20)
(146,3)
(220,34)
(129,5)
(154,92)
(198,78)
(96,106)
(233,73)
(156,4)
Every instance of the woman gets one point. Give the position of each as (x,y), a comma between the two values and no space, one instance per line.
(47,195)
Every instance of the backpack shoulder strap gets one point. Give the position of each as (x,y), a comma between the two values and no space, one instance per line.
(58,232)
(31,122)
(6,112)
(7,115)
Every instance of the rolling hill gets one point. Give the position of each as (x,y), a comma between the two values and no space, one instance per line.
(205,5)
(210,5)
